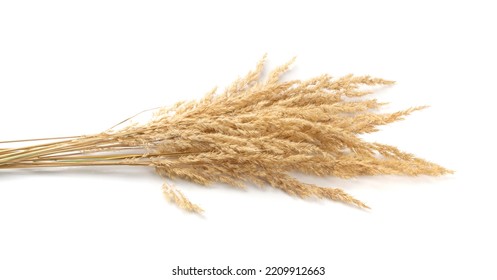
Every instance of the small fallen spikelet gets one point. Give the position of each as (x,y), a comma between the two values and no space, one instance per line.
(256,131)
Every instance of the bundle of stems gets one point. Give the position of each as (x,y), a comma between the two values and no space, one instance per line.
(258,131)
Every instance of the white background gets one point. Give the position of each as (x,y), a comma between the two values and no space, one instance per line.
(79,67)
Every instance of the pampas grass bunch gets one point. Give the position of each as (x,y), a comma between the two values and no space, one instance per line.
(257,131)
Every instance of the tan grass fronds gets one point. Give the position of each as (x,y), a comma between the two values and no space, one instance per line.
(177,197)
(256,131)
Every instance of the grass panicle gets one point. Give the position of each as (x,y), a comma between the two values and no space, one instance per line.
(257,131)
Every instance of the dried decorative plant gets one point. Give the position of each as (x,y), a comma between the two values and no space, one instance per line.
(256,131)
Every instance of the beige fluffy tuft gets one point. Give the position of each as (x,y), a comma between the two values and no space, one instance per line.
(256,131)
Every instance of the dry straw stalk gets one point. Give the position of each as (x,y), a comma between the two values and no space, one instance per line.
(256,131)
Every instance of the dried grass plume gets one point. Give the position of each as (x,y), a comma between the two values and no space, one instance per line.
(257,131)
